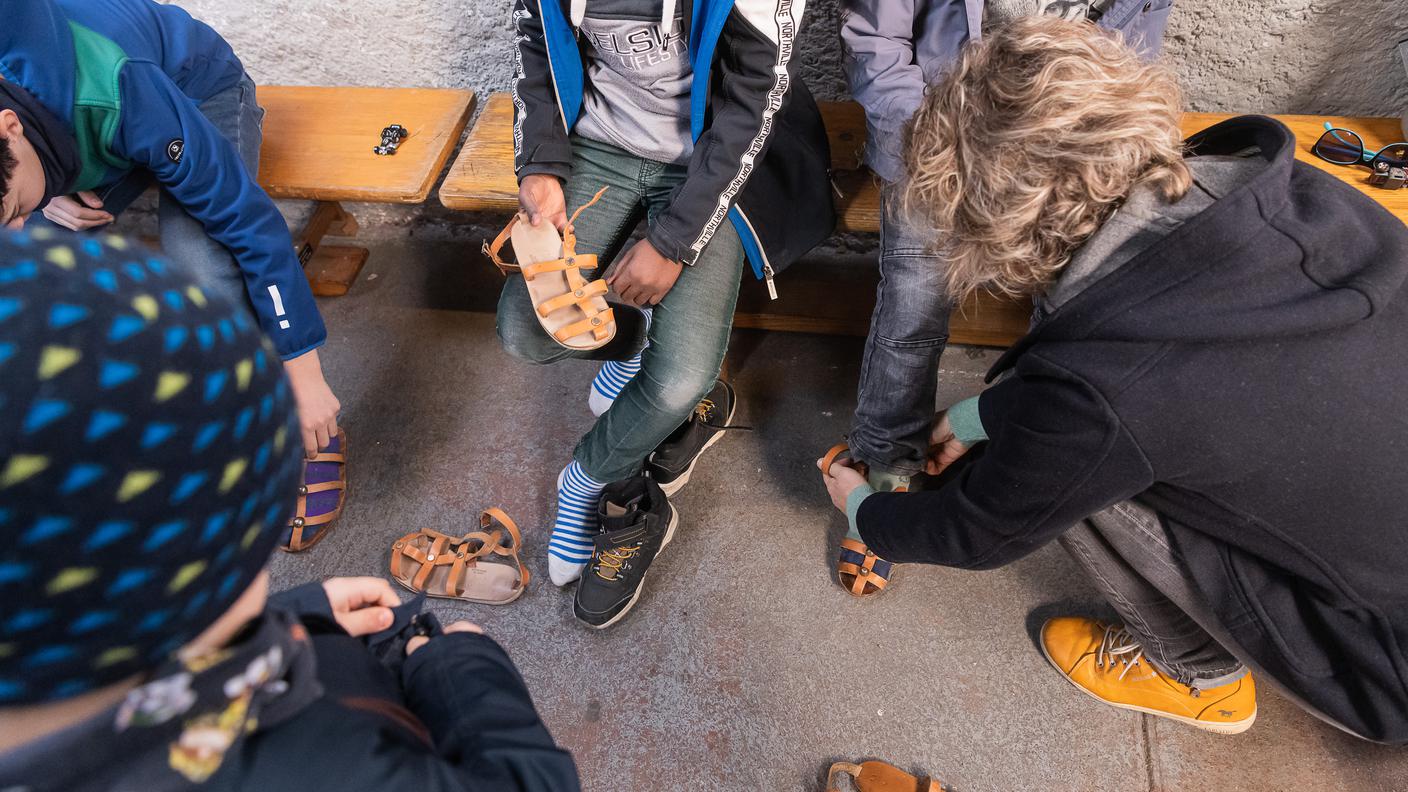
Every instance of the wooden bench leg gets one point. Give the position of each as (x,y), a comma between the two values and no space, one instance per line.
(331,269)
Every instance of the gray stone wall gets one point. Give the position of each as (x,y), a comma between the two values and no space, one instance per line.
(1308,56)
(1267,55)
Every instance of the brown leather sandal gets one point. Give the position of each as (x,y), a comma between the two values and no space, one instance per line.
(465,568)
(879,777)
(860,572)
(572,311)
(321,497)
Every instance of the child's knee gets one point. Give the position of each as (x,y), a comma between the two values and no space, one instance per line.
(682,393)
(522,342)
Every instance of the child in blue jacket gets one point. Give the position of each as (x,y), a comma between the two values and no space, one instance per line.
(98,98)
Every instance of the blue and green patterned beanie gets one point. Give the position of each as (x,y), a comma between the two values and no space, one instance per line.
(149,456)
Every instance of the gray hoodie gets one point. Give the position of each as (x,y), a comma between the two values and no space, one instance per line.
(638,77)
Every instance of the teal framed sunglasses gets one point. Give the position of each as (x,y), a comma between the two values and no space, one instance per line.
(1343,147)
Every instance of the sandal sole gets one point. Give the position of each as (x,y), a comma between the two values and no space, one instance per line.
(547,287)
(408,587)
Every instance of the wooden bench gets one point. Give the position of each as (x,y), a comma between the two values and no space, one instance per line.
(318,146)
(838,298)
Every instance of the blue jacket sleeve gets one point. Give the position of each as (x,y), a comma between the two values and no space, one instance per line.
(164,131)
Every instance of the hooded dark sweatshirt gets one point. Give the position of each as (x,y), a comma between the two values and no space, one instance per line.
(1247,377)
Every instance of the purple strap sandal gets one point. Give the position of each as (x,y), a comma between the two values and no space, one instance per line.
(320,498)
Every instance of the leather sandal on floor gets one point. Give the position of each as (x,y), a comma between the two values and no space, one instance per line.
(878,777)
(467,568)
(320,497)
(572,311)
(860,572)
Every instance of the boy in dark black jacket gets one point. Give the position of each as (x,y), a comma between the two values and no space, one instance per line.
(1209,409)
(138,509)
(692,115)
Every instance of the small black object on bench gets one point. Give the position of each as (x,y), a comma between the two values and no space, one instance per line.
(391,138)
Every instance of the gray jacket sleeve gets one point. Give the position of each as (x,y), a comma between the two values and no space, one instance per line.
(755,64)
(883,73)
(540,142)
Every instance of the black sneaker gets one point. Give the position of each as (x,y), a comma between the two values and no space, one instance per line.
(637,521)
(672,462)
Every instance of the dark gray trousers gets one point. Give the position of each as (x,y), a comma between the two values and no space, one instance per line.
(1127,554)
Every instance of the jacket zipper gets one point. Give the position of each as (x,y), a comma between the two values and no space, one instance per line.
(768,272)
(552,71)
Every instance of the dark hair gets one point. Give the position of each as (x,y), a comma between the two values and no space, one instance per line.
(7,166)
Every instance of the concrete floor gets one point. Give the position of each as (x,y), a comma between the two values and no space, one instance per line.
(744,666)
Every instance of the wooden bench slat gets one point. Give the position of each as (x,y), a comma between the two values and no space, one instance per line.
(1376,133)
(318,141)
(845,128)
(482,178)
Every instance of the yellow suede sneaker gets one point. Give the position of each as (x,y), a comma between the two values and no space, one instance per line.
(1106,662)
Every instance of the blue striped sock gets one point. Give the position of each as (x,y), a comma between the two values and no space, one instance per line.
(615,375)
(576,526)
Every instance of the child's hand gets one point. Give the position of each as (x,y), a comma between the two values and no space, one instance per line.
(643,277)
(840,480)
(459,626)
(317,406)
(361,605)
(540,195)
(944,448)
(80,214)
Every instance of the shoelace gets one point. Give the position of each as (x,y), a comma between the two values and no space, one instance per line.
(615,560)
(705,409)
(1118,645)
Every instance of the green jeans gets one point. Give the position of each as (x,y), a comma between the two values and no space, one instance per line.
(690,327)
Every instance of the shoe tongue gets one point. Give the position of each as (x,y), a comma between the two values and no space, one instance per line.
(616,517)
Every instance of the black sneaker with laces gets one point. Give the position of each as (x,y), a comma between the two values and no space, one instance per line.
(637,521)
(672,462)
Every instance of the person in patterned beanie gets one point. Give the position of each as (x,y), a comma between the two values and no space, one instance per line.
(149,449)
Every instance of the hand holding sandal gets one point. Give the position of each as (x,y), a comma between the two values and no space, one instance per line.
(320,497)
(572,311)
(859,571)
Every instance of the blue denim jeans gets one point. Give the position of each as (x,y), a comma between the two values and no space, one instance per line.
(238,116)
(691,325)
(908,331)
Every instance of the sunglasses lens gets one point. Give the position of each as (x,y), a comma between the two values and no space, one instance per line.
(1395,155)
(1339,146)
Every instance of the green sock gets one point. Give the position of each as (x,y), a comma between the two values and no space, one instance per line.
(888,482)
(879,481)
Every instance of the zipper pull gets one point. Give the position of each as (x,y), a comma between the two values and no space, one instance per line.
(767,278)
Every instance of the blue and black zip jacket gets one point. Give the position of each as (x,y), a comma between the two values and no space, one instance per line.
(128,76)
(761,159)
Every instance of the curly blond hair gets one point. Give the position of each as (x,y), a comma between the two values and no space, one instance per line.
(1025,148)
